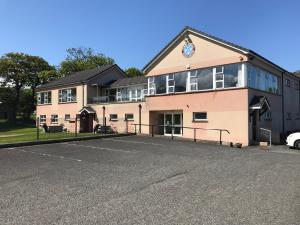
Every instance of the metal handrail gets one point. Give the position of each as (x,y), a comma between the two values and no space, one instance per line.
(270,138)
(182,127)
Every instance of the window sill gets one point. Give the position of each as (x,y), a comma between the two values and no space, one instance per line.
(66,102)
(44,104)
(129,120)
(200,121)
(114,120)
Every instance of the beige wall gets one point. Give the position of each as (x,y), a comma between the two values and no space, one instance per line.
(121,109)
(226,109)
(61,109)
(206,54)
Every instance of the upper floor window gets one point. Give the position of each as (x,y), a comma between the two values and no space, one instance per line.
(227,76)
(297,86)
(288,116)
(67,95)
(262,80)
(44,98)
(287,82)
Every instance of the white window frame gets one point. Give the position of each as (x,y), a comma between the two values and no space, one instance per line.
(170,78)
(195,83)
(69,95)
(151,86)
(45,98)
(113,119)
(54,119)
(129,119)
(68,118)
(219,73)
(43,119)
(200,120)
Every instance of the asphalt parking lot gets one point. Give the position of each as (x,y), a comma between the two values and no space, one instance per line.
(143,180)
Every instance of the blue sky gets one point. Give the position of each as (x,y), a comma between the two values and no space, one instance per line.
(133,31)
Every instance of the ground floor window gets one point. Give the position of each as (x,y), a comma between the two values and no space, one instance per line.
(67,117)
(42,118)
(199,116)
(54,118)
(129,116)
(113,117)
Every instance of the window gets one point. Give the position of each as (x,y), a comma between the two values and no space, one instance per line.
(297,86)
(44,98)
(262,80)
(219,77)
(180,81)
(42,119)
(67,95)
(199,116)
(151,86)
(268,115)
(288,116)
(67,117)
(160,84)
(205,79)
(113,117)
(193,81)
(171,83)
(54,119)
(297,116)
(232,75)
(287,82)
(129,116)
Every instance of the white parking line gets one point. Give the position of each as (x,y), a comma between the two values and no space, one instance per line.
(101,148)
(47,155)
(135,142)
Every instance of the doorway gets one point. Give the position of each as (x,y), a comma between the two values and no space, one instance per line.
(86,122)
(173,124)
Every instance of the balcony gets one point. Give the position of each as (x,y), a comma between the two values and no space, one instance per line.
(112,99)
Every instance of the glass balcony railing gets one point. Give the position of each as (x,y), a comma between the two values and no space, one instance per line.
(113,98)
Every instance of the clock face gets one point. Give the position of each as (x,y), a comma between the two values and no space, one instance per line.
(188,49)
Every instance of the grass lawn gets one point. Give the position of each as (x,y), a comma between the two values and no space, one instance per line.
(23,132)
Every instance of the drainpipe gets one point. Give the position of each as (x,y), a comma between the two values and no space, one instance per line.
(104,116)
(82,94)
(140,118)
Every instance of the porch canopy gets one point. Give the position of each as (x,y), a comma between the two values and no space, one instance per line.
(88,110)
(260,103)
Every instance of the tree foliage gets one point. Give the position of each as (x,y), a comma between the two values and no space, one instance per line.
(133,72)
(79,59)
(19,70)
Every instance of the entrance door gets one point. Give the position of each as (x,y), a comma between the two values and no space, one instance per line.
(175,120)
(86,122)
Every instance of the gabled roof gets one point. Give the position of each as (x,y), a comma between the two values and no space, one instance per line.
(209,37)
(78,77)
(87,109)
(259,102)
(129,81)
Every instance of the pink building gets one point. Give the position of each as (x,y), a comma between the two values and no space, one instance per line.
(196,81)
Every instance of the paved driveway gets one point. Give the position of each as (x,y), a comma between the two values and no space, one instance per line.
(142,180)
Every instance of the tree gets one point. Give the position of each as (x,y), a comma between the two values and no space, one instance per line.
(18,70)
(79,59)
(39,72)
(133,72)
